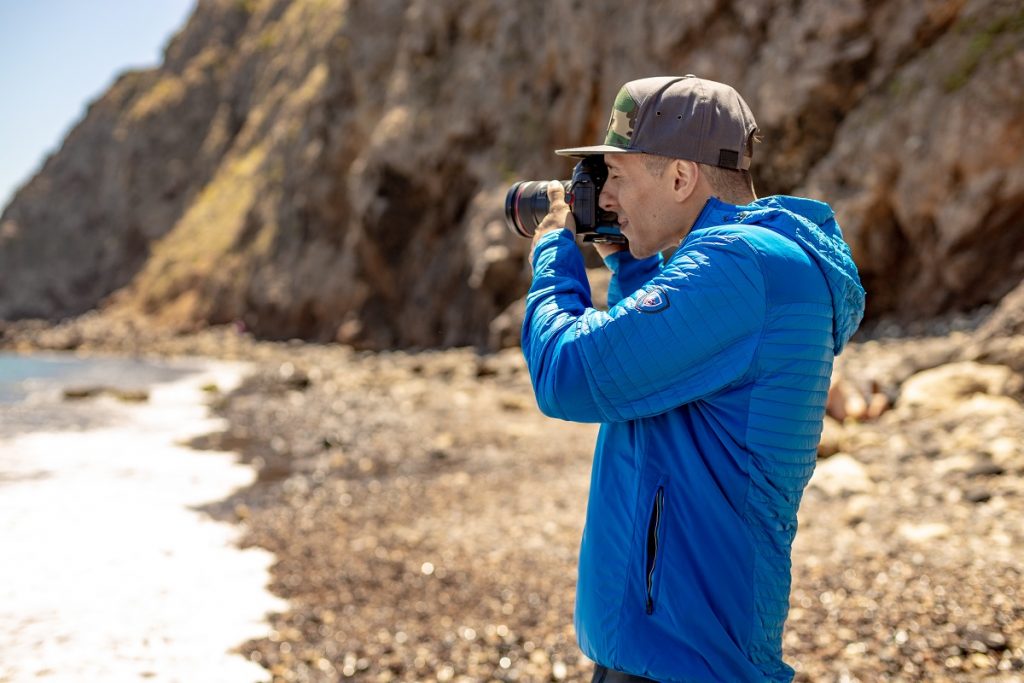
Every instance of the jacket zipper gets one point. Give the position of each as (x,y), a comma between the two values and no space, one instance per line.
(653,529)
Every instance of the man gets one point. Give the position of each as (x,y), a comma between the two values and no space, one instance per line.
(709,374)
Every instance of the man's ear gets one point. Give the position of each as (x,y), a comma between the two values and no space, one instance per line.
(685,175)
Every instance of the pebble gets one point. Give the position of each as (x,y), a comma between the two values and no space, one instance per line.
(985,468)
(977,495)
(841,475)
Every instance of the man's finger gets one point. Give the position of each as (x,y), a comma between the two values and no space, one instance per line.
(556,195)
(570,222)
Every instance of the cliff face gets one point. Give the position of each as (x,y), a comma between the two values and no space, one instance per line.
(336,170)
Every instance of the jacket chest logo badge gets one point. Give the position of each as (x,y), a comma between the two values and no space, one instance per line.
(653,301)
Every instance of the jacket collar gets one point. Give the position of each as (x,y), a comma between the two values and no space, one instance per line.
(715,212)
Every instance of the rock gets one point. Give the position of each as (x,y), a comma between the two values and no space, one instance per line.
(899,216)
(841,475)
(1008,351)
(336,170)
(124,395)
(79,393)
(923,533)
(985,641)
(130,395)
(953,463)
(946,385)
(832,436)
(857,508)
(1007,319)
(983,405)
(977,495)
(848,400)
(878,403)
(1003,450)
(845,400)
(985,468)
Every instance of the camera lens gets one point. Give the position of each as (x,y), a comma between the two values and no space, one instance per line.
(526,204)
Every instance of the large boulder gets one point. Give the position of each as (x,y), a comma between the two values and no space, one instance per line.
(951,384)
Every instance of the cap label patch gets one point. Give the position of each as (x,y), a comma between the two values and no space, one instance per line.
(620,125)
(652,301)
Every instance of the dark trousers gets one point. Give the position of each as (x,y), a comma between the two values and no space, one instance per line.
(603,674)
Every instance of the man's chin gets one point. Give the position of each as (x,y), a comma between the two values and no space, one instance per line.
(639,251)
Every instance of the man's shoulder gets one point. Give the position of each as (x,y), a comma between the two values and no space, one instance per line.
(786,270)
(772,247)
(724,239)
(719,258)
(749,244)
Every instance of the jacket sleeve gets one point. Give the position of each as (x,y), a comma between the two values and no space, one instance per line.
(690,332)
(629,274)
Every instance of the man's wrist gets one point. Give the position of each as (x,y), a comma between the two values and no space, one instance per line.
(544,242)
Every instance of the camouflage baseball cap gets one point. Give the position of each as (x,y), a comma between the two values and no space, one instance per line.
(683,117)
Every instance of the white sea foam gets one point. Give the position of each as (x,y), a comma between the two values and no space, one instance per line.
(106,571)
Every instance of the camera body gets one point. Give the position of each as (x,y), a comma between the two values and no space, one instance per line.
(526,204)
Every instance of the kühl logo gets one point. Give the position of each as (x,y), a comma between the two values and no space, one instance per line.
(653,301)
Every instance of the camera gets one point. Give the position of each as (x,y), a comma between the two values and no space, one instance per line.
(526,204)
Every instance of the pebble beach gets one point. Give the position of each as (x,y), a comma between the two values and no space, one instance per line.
(425,517)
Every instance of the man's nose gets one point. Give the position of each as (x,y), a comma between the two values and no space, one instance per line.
(607,200)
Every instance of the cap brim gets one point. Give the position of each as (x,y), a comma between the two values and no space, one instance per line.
(594,149)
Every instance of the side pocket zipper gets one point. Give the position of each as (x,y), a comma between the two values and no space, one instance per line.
(653,533)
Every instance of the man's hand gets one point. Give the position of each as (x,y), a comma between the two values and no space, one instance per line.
(558,216)
(606,250)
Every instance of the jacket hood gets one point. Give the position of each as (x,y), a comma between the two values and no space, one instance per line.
(812,225)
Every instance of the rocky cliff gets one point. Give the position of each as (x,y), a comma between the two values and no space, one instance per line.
(336,170)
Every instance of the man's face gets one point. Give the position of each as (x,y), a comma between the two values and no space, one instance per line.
(644,202)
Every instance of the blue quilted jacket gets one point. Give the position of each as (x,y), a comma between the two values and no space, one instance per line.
(709,374)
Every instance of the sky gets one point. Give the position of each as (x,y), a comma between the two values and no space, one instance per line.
(56,56)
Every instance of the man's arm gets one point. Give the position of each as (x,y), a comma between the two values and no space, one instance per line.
(690,332)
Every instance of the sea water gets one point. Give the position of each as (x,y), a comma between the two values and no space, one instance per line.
(108,569)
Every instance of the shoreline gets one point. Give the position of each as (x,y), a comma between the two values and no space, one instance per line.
(425,518)
(113,574)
